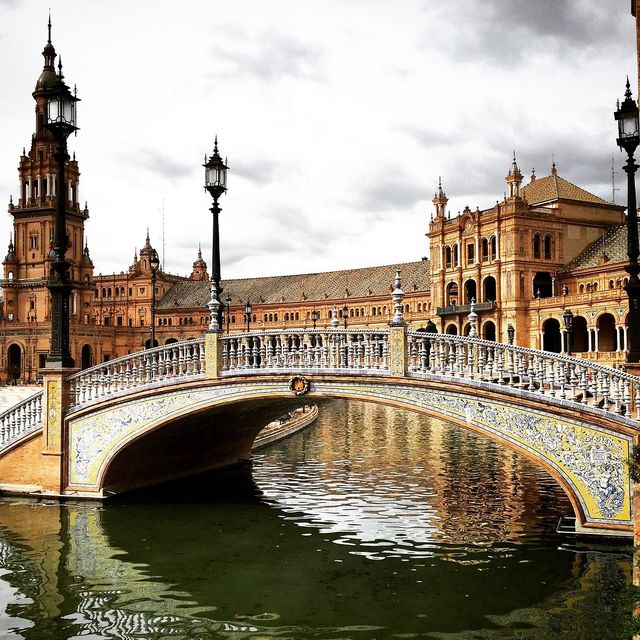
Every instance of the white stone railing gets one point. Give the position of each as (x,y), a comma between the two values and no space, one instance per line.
(560,379)
(21,420)
(310,350)
(556,376)
(180,360)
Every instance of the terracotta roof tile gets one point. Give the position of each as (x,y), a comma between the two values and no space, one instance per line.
(613,245)
(330,285)
(554,187)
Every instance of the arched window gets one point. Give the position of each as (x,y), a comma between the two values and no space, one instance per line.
(447,257)
(542,285)
(10,275)
(374,311)
(551,336)
(452,294)
(612,284)
(494,248)
(594,286)
(581,288)
(489,293)
(419,307)
(455,255)
(547,247)
(297,316)
(470,291)
(484,250)
(275,317)
(286,317)
(233,319)
(537,242)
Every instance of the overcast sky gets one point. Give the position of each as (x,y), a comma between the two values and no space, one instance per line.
(337,117)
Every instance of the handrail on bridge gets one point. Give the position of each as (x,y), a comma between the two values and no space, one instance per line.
(21,419)
(558,377)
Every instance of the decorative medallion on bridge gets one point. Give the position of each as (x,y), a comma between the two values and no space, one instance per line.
(299,385)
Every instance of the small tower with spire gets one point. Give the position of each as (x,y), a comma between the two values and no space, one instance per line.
(199,271)
(514,179)
(440,201)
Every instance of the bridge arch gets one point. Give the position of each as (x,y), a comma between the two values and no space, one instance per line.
(105,439)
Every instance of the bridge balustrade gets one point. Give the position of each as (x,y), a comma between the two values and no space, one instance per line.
(551,374)
(313,350)
(21,420)
(180,360)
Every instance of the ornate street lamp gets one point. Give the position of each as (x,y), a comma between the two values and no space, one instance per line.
(154,263)
(628,139)
(227,310)
(345,314)
(567,318)
(315,316)
(511,332)
(247,314)
(215,182)
(61,122)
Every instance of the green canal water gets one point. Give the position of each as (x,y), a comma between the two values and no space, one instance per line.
(374,523)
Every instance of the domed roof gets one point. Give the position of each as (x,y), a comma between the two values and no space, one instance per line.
(48,77)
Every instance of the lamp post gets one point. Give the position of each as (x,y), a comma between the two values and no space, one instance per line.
(628,139)
(567,318)
(315,316)
(345,315)
(154,263)
(247,314)
(61,122)
(215,182)
(511,332)
(227,310)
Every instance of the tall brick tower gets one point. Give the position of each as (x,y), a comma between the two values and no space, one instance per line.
(27,262)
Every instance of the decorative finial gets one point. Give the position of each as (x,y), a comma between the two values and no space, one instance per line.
(335,323)
(397,296)
(215,144)
(627,93)
(24,151)
(49,28)
(10,198)
(473,319)
(554,171)
(74,156)
(60,76)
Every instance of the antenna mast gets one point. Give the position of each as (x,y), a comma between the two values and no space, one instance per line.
(613,182)
(163,236)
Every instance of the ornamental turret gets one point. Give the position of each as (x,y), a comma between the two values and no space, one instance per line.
(514,179)
(440,201)
(199,271)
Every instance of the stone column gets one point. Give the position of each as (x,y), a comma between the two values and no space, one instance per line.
(398,350)
(625,337)
(595,333)
(590,345)
(213,354)
(563,341)
(55,404)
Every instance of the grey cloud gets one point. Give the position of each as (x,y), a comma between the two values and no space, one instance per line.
(260,171)
(159,163)
(393,190)
(271,57)
(505,32)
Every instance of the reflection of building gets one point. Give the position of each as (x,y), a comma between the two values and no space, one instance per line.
(546,246)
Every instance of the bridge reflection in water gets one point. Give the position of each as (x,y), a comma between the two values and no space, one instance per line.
(372,523)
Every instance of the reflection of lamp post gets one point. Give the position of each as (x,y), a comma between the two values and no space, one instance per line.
(154,263)
(511,332)
(567,318)
(628,139)
(247,314)
(227,310)
(345,314)
(215,182)
(61,121)
(315,316)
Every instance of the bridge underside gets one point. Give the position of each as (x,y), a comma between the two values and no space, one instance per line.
(208,439)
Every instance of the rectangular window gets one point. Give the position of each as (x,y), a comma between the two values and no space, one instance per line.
(106,320)
(119,321)
(142,322)
(131,322)
(471,253)
(130,291)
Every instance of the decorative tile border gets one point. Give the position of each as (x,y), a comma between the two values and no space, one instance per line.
(591,460)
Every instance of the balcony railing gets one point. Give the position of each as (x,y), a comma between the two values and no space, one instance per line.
(454,309)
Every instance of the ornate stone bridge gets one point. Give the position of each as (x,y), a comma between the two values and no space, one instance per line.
(195,405)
